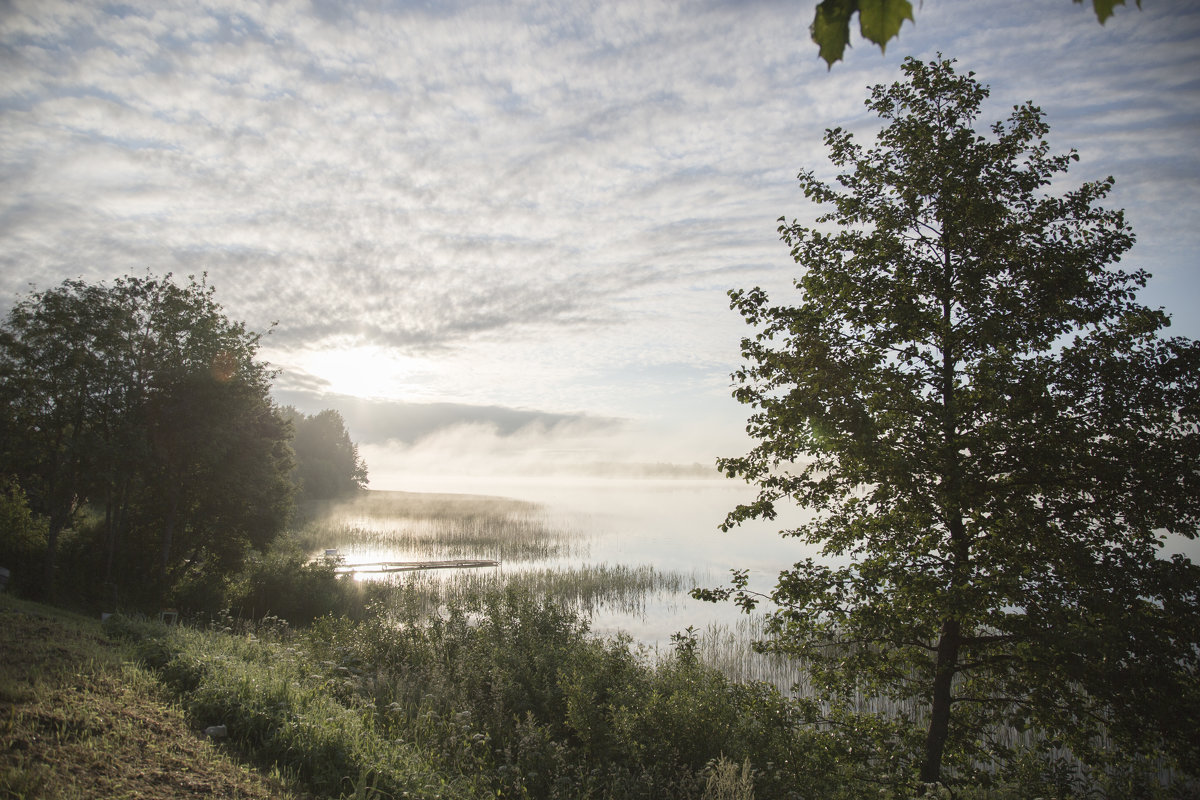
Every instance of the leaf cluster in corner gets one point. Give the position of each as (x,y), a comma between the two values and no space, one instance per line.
(880,21)
(1104,8)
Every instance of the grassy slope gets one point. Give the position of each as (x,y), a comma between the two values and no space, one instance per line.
(78,720)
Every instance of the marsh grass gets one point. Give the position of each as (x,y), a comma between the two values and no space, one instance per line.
(422,505)
(586,589)
(539,555)
(431,526)
(729,649)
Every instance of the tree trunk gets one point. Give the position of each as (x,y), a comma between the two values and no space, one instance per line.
(168,534)
(57,523)
(119,514)
(939,713)
(110,525)
(950,639)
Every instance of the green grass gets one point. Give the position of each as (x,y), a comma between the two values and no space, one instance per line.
(79,720)
(291,712)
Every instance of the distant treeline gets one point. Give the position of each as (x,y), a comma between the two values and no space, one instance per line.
(140,450)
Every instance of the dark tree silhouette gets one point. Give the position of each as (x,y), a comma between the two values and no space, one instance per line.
(327,462)
(143,399)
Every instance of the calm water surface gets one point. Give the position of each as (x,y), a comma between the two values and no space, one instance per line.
(671,525)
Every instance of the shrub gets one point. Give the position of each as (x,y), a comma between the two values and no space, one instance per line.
(22,539)
(507,694)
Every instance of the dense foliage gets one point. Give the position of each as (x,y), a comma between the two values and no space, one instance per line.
(137,422)
(504,695)
(994,438)
(327,462)
(22,539)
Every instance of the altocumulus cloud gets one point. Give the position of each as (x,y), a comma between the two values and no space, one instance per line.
(414,176)
(538,204)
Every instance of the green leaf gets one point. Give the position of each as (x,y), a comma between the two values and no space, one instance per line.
(1104,8)
(830,28)
(880,20)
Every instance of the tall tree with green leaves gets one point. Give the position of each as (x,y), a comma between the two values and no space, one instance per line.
(142,398)
(218,480)
(993,437)
(55,381)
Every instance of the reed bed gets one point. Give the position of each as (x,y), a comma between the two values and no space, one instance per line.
(727,648)
(419,526)
(585,589)
(393,505)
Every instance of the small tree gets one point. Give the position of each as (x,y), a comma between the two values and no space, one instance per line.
(992,436)
(327,461)
(22,537)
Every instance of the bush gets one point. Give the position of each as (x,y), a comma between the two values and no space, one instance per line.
(507,695)
(282,583)
(564,714)
(22,540)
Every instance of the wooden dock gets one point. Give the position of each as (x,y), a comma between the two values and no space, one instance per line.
(412,566)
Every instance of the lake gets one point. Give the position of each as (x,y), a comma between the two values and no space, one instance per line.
(628,551)
(668,526)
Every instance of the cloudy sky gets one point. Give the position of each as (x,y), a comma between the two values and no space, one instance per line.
(499,234)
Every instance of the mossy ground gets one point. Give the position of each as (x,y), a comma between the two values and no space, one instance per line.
(78,719)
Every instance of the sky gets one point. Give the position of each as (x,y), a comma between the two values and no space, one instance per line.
(498,236)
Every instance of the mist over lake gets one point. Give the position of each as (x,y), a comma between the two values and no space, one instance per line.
(669,526)
(666,530)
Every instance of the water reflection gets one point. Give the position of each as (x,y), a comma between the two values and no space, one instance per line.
(625,551)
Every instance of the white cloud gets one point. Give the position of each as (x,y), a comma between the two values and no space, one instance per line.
(542,202)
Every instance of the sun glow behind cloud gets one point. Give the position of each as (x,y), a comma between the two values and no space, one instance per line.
(363,371)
